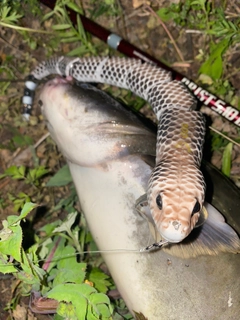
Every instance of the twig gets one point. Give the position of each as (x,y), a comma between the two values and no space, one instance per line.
(41,139)
(224,136)
(24,29)
(167,31)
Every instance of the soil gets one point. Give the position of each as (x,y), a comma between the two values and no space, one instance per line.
(137,23)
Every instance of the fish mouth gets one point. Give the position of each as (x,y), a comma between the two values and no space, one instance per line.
(60,80)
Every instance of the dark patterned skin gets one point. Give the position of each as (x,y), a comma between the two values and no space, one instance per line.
(176,187)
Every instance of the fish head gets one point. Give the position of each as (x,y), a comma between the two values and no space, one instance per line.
(176,197)
(58,109)
(89,127)
(80,122)
(77,122)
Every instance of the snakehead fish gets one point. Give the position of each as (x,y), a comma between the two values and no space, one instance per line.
(106,148)
(176,187)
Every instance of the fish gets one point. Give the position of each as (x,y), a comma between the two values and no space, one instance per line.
(110,152)
(176,188)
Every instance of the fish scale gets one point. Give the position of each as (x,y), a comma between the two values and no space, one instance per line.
(175,202)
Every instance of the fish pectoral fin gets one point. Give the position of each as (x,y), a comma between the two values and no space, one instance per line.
(215,236)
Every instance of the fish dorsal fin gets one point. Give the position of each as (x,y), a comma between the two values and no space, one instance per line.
(215,236)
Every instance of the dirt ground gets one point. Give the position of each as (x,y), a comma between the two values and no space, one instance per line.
(136,23)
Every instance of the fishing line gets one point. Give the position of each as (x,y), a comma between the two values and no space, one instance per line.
(147,249)
(50,259)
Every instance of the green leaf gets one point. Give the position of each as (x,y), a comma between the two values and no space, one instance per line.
(28,207)
(68,260)
(15,172)
(100,305)
(104,310)
(81,30)
(95,307)
(30,274)
(74,7)
(69,34)
(69,269)
(98,298)
(67,275)
(166,14)
(226,160)
(40,171)
(213,66)
(47,16)
(67,311)
(5,265)
(100,280)
(61,178)
(21,141)
(199,2)
(21,170)
(7,268)
(70,39)
(77,294)
(11,238)
(62,26)
(48,228)
(67,224)
(36,173)
(27,277)
(78,51)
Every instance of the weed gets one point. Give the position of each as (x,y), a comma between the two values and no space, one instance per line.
(201,15)
(221,34)
(55,266)
(67,32)
(107,7)
(9,12)
(62,276)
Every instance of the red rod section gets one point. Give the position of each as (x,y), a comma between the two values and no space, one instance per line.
(220,106)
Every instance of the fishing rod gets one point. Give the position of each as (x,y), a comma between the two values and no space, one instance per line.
(114,41)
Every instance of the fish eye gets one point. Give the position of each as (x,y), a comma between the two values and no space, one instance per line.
(196,208)
(40,103)
(159,202)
